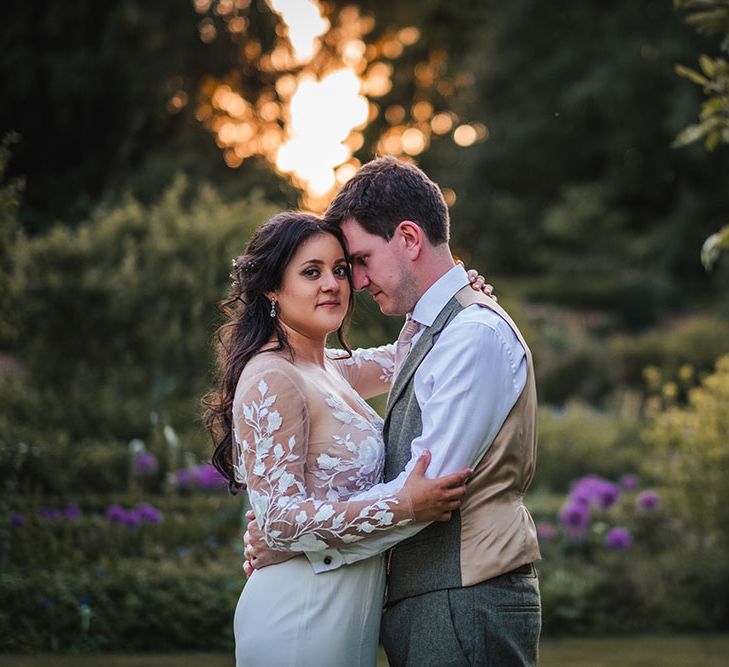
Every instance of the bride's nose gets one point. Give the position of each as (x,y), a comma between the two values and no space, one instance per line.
(329,282)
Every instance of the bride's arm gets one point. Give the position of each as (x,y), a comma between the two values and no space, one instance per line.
(271,429)
(369,370)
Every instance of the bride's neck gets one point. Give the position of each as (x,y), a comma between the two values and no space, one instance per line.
(306,349)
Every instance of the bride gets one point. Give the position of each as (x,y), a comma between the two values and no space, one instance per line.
(291,426)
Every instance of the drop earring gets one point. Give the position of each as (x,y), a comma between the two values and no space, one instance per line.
(273,307)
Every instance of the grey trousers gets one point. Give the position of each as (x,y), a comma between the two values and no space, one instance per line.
(495,623)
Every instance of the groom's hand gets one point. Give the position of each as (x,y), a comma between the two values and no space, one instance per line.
(257,553)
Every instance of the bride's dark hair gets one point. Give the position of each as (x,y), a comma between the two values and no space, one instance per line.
(248,324)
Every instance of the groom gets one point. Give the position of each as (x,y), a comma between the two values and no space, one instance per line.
(462,592)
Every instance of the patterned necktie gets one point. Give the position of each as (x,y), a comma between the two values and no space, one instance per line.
(405,342)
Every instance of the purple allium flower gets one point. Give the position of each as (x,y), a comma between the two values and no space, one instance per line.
(629,482)
(132,518)
(50,513)
(595,491)
(115,513)
(575,516)
(546,531)
(648,501)
(145,464)
(17,519)
(73,512)
(148,513)
(208,477)
(184,478)
(618,539)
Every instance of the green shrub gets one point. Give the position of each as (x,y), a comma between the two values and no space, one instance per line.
(696,341)
(626,565)
(115,316)
(133,605)
(691,456)
(579,440)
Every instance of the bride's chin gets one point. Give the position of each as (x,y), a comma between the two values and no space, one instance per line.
(330,329)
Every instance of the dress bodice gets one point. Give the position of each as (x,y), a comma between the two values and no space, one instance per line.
(306,444)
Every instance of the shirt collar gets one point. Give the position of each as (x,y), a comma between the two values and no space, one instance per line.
(438,295)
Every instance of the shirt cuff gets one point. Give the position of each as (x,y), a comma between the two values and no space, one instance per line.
(323,561)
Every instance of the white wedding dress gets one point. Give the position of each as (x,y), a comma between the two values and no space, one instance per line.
(306,444)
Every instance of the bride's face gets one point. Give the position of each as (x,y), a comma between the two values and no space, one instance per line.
(314,294)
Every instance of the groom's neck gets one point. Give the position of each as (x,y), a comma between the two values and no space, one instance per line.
(432,266)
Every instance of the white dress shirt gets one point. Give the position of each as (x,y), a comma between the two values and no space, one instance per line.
(465,387)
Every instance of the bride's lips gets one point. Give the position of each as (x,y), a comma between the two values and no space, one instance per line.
(328,304)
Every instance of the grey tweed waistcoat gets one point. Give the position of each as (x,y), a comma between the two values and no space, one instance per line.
(498,534)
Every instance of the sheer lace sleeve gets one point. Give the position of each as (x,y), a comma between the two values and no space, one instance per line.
(368,370)
(271,423)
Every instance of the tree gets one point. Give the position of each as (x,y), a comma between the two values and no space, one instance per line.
(117,315)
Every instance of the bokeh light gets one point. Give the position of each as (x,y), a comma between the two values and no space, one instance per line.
(319,83)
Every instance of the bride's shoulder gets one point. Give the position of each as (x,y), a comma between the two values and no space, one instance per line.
(273,367)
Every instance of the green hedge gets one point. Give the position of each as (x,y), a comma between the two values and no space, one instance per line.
(132,606)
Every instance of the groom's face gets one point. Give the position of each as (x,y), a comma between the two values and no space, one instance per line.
(379,266)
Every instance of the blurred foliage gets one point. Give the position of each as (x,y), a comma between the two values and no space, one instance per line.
(87,86)
(10,194)
(654,581)
(576,183)
(694,341)
(578,440)
(196,527)
(134,605)
(117,315)
(709,17)
(713,246)
(691,456)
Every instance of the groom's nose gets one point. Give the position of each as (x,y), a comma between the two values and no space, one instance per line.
(359,278)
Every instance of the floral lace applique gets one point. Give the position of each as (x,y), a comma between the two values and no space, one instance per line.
(270,458)
(369,370)
(361,462)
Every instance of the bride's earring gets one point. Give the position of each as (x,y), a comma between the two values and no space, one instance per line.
(273,307)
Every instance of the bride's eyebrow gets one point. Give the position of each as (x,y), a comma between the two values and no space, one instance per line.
(320,262)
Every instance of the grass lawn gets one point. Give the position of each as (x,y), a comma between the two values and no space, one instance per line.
(652,651)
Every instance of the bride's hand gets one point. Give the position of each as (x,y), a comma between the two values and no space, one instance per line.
(434,499)
(478,282)
(256,552)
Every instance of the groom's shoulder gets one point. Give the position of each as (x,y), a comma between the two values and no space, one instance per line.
(482,322)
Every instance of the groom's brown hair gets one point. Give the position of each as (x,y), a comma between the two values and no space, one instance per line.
(386,191)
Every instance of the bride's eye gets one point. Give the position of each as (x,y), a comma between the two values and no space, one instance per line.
(311,272)
(341,271)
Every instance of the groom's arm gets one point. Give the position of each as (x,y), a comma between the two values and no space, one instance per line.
(465,387)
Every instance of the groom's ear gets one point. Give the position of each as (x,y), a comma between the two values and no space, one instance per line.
(411,237)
